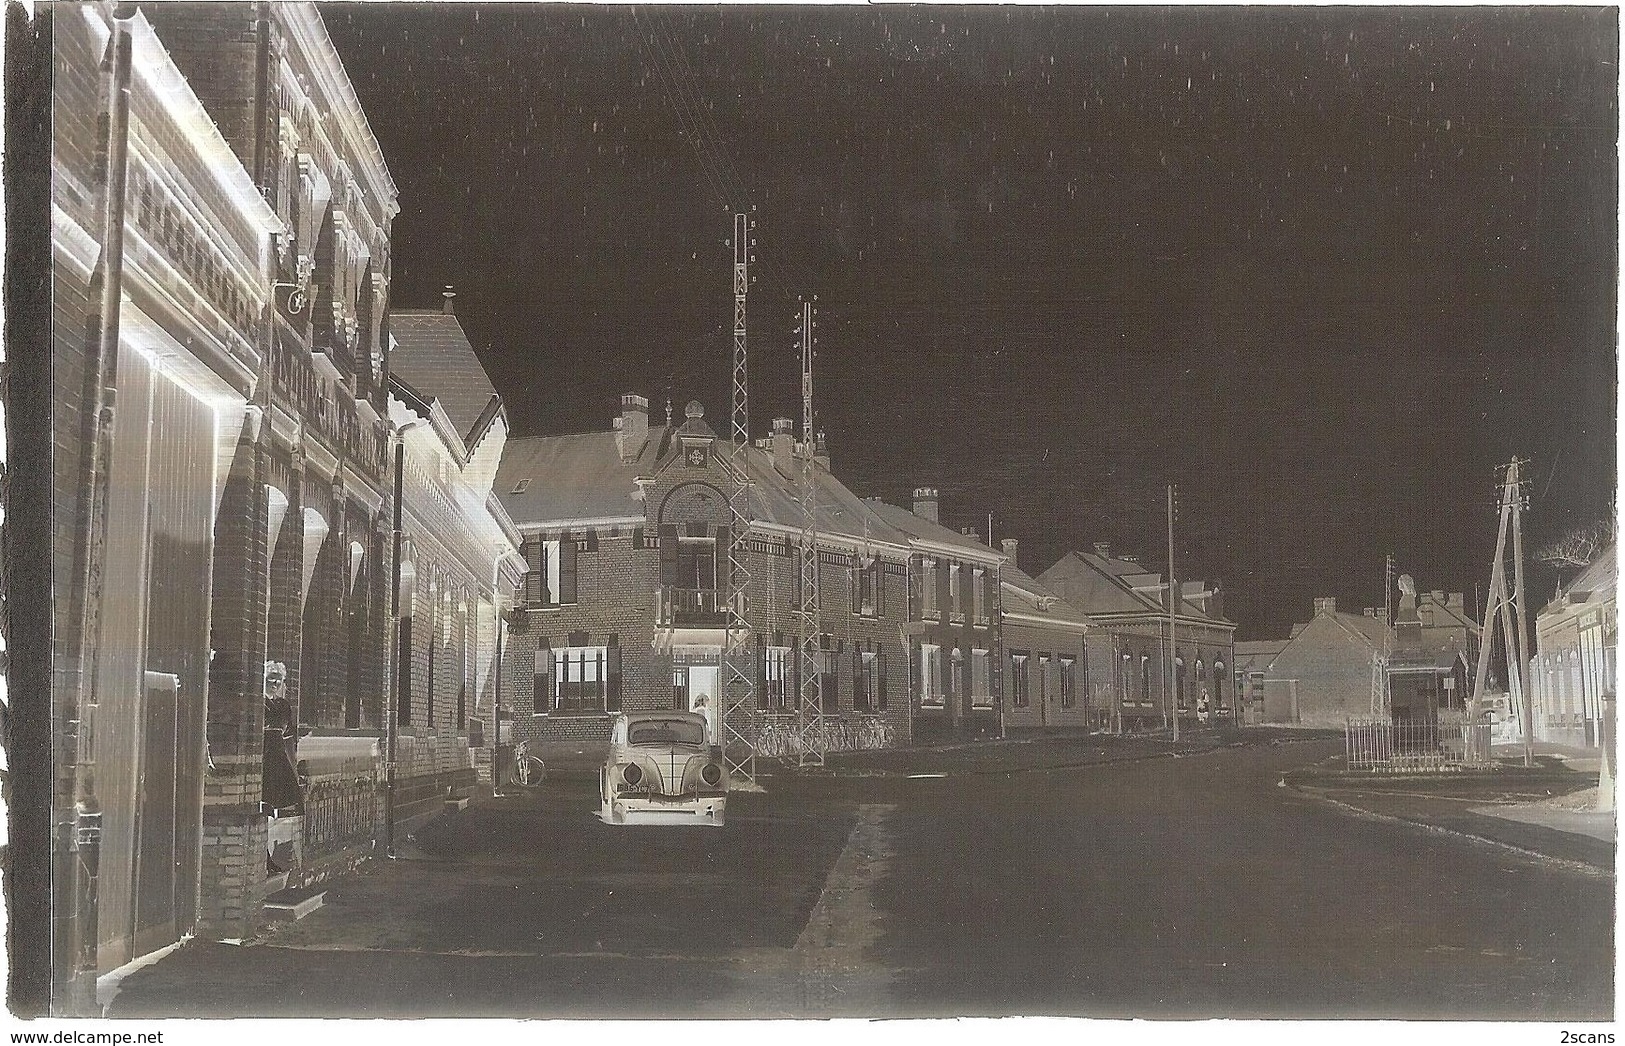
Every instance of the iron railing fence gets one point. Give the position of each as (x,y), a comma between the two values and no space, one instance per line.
(341,814)
(1406,746)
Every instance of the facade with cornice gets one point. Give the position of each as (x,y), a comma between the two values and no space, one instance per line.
(627,534)
(236,338)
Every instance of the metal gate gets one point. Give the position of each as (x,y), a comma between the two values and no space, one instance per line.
(1408,746)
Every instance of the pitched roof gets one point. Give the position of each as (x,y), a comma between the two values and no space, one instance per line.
(546,479)
(1026,594)
(1099,584)
(433,356)
(1602,575)
(925,530)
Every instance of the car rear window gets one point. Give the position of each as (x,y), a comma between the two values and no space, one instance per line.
(666,732)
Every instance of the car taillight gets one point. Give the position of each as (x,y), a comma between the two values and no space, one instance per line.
(711,775)
(631,773)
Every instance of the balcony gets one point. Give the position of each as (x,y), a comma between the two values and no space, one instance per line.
(690,608)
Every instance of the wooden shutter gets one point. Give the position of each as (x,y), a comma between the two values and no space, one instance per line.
(857,585)
(860,698)
(880,681)
(612,674)
(830,695)
(668,555)
(941,581)
(916,582)
(793,670)
(567,571)
(916,679)
(880,587)
(535,570)
(990,592)
(761,671)
(542,693)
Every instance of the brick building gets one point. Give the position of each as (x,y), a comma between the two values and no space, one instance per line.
(1340,664)
(233,295)
(1127,606)
(1048,683)
(626,534)
(953,630)
(460,561)
(1576,656)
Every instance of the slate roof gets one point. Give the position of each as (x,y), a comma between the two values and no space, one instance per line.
(1100,585)
(433,356)
(925,530)
(574,477)
(1024,593)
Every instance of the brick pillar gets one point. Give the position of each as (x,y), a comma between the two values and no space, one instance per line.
(284,630)
(233,840)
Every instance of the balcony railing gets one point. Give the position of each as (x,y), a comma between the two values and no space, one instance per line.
(691,608)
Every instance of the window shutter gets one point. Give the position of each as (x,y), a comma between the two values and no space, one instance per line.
(857,585)
(941,581)
(880,588)
(534,570)
(880,681)
(830,693)
(793,698)
(567,571)
(612,674)
(668,555)
(637,538)
(916,581)
(916,680)
(542,695)
(990,591)
(860,700)
(591,541)
(761,671)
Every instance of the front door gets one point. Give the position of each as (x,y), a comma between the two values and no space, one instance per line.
(158,855)
(703,693)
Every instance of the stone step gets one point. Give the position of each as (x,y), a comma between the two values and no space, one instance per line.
(292,905)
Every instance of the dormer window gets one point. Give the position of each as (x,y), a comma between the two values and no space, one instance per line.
(521,486)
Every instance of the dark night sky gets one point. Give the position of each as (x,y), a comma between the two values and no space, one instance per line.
(1324,268)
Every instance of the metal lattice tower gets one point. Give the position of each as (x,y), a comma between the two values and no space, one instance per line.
(738,677)
(1508,606)
(810,735)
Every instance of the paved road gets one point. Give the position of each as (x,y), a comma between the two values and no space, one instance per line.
(1164,887)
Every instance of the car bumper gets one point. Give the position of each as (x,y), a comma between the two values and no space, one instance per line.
(687,809)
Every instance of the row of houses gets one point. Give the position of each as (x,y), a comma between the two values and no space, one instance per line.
(1340,665)
(300,547)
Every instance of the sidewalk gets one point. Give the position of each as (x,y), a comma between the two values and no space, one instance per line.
(1547,810)
(1037,752)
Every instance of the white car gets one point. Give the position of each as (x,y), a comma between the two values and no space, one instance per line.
(662,768)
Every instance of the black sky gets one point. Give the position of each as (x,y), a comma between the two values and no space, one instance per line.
(1324,268)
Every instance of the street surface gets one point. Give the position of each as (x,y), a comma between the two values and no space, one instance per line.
(1146,886)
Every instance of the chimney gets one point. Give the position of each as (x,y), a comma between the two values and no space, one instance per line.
(1326,605)
(1009,546)
(632,426)
(925,503)
(1456,602)
(821,452)
(784,446)
(447,294)
(1103,549)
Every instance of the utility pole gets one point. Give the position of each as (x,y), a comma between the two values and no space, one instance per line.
(1173,607)
(810,740)
(1508,607)
(738,674)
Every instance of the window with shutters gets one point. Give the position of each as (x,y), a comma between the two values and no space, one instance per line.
(956,605)
(930,674)
(580,679)
(928,588)
(1020,685)
(550,577)
(868,582)
(865,689)
(1069,683)
(776,677)
(981,679)
(956,674)
(1045,684)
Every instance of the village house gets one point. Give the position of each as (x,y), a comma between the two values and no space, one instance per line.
(1127,607)
(626,533)
(1572,672)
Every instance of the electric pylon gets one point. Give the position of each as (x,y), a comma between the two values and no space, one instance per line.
(810,734)
(1508,607)
(738,675)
